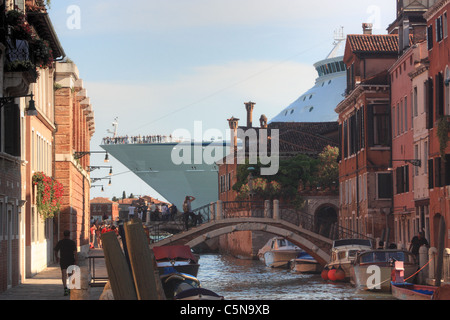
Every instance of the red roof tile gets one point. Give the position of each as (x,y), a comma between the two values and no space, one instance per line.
(100,200)
(371,43)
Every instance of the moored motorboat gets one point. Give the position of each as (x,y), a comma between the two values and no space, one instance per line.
(180,258)
(373,269)
(305,263)
(410,291)
(182,286)
(278,252)
(343,254)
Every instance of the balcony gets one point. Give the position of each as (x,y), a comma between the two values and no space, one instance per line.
(20,70)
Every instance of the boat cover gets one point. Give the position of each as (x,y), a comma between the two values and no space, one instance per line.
(173,253)
(199,293)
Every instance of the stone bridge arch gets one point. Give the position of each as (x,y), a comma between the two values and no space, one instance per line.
(316,245)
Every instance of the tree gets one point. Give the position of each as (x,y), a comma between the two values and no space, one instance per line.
(124,195)
(328,168)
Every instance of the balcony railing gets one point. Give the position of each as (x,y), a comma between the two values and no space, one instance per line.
(19,59)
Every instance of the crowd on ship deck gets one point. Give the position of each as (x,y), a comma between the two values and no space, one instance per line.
(139,139)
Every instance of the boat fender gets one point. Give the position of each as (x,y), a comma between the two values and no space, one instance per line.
(332,274)
(340,274)
(324,273)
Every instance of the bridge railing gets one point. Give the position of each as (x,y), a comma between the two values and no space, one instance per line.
(271,209)
(242,209)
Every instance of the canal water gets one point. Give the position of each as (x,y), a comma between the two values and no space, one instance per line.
(237,279)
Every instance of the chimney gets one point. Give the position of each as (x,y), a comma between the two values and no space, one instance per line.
(233,123)
(263,121)
(367,28)
(249,106)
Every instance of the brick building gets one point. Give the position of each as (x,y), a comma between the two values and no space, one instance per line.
(104,209)
(438,111)
(26,144)
(365,183)
(74,117)
(405,151)
(409,87)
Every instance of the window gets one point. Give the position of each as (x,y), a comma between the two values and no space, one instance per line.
(444,25)
(439,31)
(405,113)
(416,156)
(393,122)
(402,179)
(415,101)
(446,91)
(439,84)
(430,37)
(379,125)
(429,103)
(345,144)
(384,185)
(11,124)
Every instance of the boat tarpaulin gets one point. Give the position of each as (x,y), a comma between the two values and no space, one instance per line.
(173,252)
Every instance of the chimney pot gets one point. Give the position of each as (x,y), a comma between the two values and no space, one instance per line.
(367,28)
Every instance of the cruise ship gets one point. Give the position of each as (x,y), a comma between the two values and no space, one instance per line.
(318,103)
(151,157)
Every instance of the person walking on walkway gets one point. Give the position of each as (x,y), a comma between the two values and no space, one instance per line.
(67,249)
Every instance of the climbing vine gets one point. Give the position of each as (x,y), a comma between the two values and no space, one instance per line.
(443,126)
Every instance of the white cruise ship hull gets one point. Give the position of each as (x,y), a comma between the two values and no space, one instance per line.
(153,163)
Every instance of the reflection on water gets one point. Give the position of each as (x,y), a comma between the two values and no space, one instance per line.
(237,279)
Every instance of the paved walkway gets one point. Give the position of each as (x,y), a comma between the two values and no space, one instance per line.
(47,284)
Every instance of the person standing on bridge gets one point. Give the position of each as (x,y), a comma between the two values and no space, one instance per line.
(187,210)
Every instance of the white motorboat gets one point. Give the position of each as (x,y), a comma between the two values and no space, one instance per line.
(305,263)
(278,252)
(373,269)
(343,254)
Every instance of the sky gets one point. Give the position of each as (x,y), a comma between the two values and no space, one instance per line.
(162,65)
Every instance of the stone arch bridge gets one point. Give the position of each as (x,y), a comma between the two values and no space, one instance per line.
(304,230)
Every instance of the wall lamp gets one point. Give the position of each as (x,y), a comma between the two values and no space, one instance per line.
(93,180)
(31,111)
(92,168)
(414,162)
(103,190)
(80,154)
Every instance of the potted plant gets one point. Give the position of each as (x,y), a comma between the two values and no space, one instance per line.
(48,195)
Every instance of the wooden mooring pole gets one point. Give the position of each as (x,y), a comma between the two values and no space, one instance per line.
(441,248)
(143,264)
(119,274)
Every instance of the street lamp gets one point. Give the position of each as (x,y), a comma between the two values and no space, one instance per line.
(31,111)
(98,186)
(80,154)
(93,180)
(414,162)
(92,168)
